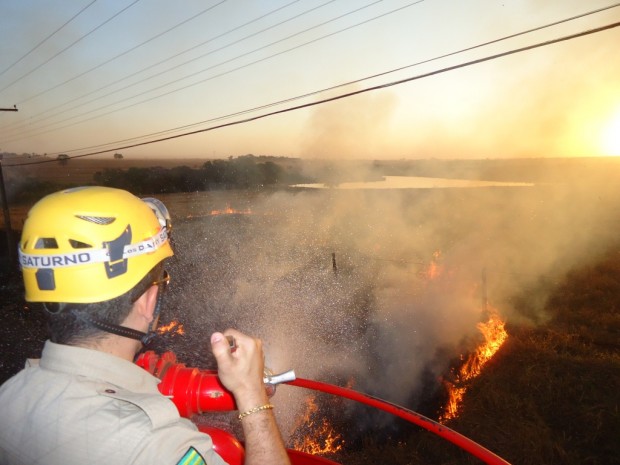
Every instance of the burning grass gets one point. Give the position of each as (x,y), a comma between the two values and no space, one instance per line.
(548,396)
(494,334)
(314,433)
(230,211)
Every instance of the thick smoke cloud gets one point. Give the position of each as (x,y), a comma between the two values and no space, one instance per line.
(414,269)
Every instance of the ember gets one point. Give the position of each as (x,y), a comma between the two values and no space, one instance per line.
(494,334)
(231,211)
(174,327)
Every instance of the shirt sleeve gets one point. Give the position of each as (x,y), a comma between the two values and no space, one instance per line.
(176,444)
(159,434)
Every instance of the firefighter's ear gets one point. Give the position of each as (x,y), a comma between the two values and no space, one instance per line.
(145,305)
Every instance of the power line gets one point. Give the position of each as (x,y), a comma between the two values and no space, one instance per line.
(157,63)
(357,81)
(17,137)
(292,98)
(210,39)
(125,52)
(47,38)
(333,87)
(69,46)
(213,66)
(350,94)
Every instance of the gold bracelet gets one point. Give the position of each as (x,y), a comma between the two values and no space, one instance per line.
(254,410)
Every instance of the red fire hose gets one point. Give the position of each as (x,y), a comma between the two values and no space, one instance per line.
(196,391)
(463,442)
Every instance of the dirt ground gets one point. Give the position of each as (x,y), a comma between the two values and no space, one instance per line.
(23,330)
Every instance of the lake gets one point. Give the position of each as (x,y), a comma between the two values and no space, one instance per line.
(415,182)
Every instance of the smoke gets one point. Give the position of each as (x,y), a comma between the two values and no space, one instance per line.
(413,270)
(353,130)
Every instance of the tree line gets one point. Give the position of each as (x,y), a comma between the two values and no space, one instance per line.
(244,172)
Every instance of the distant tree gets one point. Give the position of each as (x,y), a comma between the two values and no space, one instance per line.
(271,173)
(111,177)
(241,173)
(118,156)
(185,179)
(245,171)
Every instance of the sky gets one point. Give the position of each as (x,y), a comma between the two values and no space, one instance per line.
(88,76)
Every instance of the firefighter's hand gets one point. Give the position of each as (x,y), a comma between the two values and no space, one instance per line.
(241,370)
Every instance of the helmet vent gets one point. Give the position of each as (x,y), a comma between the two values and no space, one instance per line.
(79,245)
(103,220)
(46,243)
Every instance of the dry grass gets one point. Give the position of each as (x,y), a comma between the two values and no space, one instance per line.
(549,396)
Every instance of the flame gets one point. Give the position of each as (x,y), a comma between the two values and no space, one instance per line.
(494,333)
(324,439)
(434,268)
(231,211)
(173,327)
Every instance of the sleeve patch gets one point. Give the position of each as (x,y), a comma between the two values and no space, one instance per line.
(192,457)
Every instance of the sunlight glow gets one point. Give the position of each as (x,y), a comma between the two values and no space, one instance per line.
(610,142)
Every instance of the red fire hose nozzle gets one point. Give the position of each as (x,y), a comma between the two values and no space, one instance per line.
(195,391)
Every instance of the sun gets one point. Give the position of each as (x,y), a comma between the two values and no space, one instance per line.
(610,142)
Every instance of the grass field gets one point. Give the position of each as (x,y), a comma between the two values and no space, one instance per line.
(549,396)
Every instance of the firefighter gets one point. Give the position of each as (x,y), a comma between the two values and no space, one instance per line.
(93,257)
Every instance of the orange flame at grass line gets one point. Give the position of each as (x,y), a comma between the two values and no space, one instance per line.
(231,211)
(323,439)
(172,327)
(495,334)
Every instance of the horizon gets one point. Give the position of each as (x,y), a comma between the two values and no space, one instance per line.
(141,157)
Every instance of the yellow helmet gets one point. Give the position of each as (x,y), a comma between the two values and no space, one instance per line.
(91,244)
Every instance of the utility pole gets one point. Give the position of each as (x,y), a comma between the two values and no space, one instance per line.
(7,215)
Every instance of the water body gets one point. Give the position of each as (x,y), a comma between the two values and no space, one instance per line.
(415,182)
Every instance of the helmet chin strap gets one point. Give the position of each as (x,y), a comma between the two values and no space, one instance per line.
(119,330)
(124,331)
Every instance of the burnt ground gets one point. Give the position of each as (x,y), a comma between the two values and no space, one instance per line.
(22,332)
